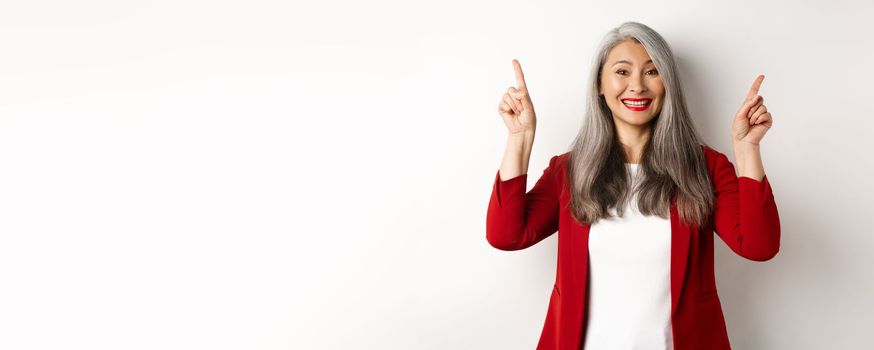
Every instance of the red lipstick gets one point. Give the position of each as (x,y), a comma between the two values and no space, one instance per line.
(637,108)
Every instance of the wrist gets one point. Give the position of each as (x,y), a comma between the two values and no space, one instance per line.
(525,132)
(522,137)
(741,147)
(748,159)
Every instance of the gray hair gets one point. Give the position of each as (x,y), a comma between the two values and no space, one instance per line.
(672,160)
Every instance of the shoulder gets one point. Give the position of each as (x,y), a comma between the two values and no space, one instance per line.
(558,166)
(722,172)
(560,161)
(710,154)
(715,159)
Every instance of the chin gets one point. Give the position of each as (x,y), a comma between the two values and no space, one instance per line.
(638,121)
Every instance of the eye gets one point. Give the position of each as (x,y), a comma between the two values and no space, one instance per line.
(621,72)
(653,71)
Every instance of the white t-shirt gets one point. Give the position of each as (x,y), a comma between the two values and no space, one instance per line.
(629,306)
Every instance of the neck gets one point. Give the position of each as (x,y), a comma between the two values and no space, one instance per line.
(632,139)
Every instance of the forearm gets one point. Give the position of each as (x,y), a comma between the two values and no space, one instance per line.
(516,155)
(748,158)
(746,215)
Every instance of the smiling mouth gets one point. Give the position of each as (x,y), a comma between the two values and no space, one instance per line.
(637,104)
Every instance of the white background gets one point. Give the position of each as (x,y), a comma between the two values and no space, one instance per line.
(275,175)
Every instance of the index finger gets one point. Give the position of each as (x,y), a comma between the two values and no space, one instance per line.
(754,90)
(520,78)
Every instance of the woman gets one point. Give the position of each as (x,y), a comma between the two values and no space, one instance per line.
(635,202)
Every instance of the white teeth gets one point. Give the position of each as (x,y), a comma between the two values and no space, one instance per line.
(632,103)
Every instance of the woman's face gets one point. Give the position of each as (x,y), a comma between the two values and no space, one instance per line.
(629,74)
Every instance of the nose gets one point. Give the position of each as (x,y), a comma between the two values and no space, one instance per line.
(636,85)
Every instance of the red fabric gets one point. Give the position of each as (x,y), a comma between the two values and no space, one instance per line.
(745,218)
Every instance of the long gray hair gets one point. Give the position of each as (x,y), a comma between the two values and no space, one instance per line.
(672,161)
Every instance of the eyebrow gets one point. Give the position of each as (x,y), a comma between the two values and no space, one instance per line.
(624,61)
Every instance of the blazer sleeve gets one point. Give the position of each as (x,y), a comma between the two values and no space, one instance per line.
(746,215)
(517,220)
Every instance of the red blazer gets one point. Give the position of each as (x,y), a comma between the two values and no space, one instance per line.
(745,218)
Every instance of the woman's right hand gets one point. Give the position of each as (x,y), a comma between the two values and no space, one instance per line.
(516,107)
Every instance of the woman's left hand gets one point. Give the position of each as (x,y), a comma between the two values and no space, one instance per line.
(753,120)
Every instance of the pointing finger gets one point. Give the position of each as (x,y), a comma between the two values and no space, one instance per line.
(754,90)
(520,78)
